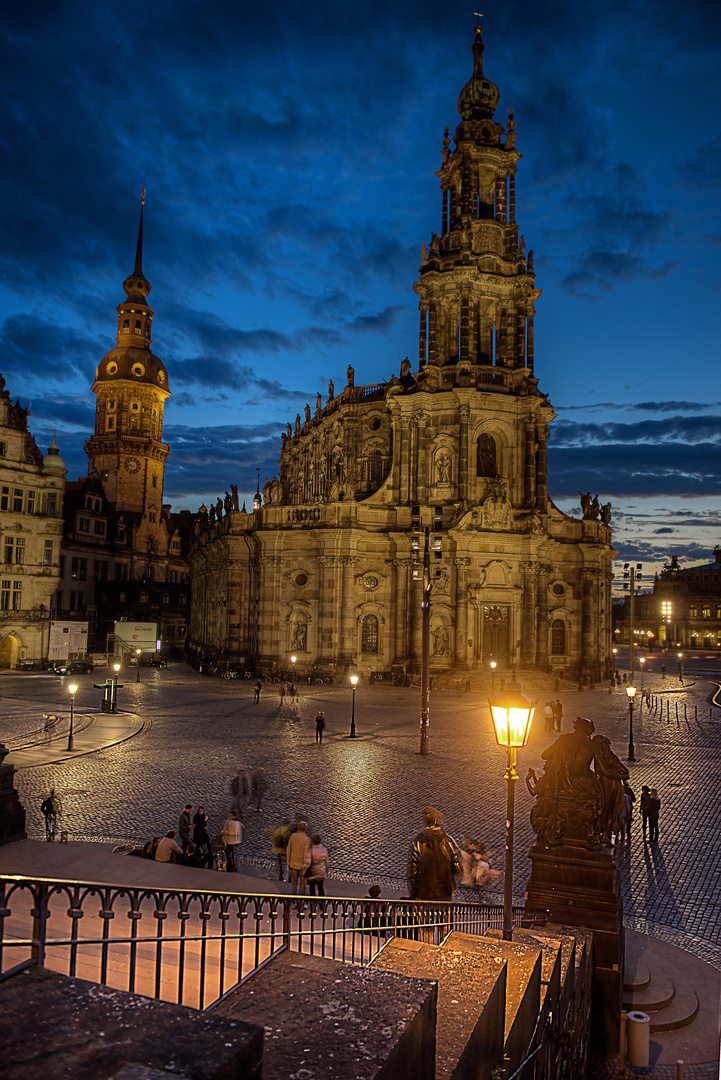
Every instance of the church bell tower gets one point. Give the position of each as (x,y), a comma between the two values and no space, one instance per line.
(127,450)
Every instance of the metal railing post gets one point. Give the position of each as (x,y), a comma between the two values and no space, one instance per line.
(40,922)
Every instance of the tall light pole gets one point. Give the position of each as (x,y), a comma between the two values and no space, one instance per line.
(72,690)
(680,666)
(354,683)
(512,714)
(631,691)
(116,669)
(293,660)
(137,653)
(642,661)
(493,665)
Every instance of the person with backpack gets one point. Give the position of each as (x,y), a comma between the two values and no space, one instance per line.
(49,808)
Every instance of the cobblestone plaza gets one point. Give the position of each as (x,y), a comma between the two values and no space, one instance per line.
(365,795)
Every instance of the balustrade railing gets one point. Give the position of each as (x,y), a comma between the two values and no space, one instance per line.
(193,946)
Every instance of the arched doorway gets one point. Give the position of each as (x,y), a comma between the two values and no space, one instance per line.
(9,651)
(496,619)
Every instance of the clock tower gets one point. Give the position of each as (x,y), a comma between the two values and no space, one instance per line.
(127,451)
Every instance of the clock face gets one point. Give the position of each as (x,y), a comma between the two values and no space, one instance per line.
(132,464)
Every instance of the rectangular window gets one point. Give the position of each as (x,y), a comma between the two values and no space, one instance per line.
(2,449)
(18,501)
(83,525)
(143,598)
(5,499)
(155,481)
(110,423)
(17,595)
(30,503)
(121,597)
(5,596)
(9,549)
(19,551)
(693,611)
(706,612)
(166,598)
(48,553)
(51,505)
(79,569)
(121,572)
(99,528)
(77,601)
(100,570)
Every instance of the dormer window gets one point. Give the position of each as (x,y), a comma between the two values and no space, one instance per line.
(112,406)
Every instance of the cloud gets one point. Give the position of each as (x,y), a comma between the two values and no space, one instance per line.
(658,532)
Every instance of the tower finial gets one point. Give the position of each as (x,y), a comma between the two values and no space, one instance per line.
(139,250)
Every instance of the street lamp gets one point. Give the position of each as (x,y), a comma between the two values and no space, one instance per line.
(493,665)
(137,653)
(512,714)
(642,661)
(72,690)
(680,666)
(631,691)
(292,683)
(354,683)
(116,669)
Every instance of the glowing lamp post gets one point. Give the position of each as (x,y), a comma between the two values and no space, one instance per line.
(72,690)
(642,661)
(116,669)
(354,683)
(512,714)
(493,665)
(631,691)
(680,666)
(137,654)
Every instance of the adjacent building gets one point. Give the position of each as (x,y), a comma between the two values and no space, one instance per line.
(32,488)
(683,611)
(328,568)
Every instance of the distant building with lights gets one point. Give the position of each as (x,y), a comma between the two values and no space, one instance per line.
(327,568)
(683,610)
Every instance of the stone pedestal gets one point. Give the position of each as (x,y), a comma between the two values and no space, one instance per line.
(582,887)
(12,815)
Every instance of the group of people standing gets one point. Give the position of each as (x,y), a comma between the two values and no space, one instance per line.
(553,715)
(305,857)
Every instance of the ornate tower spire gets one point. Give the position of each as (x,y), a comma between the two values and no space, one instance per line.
(131,385)
(476,288)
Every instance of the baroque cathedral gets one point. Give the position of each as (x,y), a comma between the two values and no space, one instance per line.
(327,567)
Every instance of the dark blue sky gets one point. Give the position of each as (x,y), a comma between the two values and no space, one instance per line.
(289,158)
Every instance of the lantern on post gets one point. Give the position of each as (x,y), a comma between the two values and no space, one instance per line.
(512,714)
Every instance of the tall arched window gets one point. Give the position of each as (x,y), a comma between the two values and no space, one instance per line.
(558,638)
(369,634)
(486,456)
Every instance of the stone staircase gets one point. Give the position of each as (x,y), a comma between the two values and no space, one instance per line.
(679,993)
(473,1008)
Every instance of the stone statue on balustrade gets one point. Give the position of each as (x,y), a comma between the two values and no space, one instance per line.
(234,490)
(219,508)
(228,502)
(577,798)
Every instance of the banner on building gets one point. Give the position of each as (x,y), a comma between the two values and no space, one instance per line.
(68,640)
(130,636)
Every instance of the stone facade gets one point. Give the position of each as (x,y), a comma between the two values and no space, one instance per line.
(328,567)
(32,489)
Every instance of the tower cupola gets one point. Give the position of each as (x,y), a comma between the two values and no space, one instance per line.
(479,97)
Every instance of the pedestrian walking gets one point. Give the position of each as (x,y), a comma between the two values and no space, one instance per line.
(279,840)
(645,797)
(201,838)
(257,687)
(258,787)
(557,714)
(239,792)
(627,813)
(298,858)
(433,861)
(319,727)
(50,809)
(654,809)
(318,869)
(548,716)
(232,837)
(281,694)
(184,826)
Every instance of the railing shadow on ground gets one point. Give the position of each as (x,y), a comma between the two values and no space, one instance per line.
(193,947)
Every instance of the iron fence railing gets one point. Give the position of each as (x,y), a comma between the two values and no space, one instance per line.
(192,947)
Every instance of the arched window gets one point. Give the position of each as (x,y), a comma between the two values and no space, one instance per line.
(486,456)
(558,638)
(369,634)
(375,467)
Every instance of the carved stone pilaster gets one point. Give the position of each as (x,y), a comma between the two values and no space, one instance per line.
(462,568)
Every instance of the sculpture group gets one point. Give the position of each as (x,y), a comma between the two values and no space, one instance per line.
(579,797)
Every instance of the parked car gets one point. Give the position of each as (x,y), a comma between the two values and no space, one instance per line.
(75,667)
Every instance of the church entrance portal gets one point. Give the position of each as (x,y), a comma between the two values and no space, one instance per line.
(496,620)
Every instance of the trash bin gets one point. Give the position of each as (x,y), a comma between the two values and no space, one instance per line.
(638,1039)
